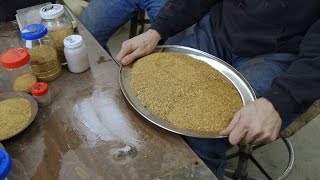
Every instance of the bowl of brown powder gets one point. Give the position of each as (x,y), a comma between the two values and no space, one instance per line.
(17,112)
(185,91)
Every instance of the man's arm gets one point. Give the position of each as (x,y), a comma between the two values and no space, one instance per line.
(177,15)
(292,92)
(299,87)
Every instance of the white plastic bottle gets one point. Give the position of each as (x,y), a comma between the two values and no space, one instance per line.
(76,54)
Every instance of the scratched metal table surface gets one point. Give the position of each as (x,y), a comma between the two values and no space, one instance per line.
(91,132)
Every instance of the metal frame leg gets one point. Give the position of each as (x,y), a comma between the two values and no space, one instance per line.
(133,26)
(141,20)
(241,171)
(257,164)
(245,154)
(137,23)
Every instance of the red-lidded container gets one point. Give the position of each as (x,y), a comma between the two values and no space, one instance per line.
(16,63)
(40,91)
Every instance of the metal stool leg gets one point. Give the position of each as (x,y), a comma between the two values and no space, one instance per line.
(241,171)
(245,154)
(141,21)
(137,23)
(133,26)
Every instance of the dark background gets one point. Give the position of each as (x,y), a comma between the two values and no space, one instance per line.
(8,7)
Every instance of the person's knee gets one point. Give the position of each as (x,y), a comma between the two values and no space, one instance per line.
(89,16)
(85,18)
(208,148)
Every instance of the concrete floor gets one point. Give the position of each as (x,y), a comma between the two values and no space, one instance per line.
(273,157)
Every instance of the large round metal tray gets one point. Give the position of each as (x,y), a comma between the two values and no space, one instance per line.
(34,108)
(243,87)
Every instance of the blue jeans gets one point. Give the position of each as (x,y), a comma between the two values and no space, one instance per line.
(259,71)
(104,17)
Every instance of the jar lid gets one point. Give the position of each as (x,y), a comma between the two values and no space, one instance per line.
(52,11)
(39,89)
(5,164)
(73,41)
(33,31)
(15,58)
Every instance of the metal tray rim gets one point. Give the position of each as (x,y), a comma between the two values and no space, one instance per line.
(160,49)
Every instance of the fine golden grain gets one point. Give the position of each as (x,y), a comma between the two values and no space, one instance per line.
(24,82)
(45,63)
(58,36)
(185,92)
(14,116)
(42,54)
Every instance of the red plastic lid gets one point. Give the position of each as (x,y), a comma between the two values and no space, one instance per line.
(39,89)
(15,58)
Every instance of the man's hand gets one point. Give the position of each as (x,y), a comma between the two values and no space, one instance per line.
(257,122)
(138,46)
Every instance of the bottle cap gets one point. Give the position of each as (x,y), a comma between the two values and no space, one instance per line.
(52,11)
(5,164)
(33,31)
(73,41)
(39,89)
(15,58)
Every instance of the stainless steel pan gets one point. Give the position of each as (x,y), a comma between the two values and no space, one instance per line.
(244,88)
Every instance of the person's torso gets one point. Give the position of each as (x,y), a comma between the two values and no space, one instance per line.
(251,27)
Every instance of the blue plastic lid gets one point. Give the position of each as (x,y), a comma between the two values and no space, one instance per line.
(33,31)
(5,164)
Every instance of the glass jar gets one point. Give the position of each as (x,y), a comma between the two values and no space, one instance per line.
(44,59)
(40,91)
(18,72)
(59,25)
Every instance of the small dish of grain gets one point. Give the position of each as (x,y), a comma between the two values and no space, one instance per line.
(17,112)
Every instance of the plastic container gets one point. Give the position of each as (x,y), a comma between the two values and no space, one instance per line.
(16,63)
(40,91)
(44,59)
(59,25)
(5,164)
(76,54)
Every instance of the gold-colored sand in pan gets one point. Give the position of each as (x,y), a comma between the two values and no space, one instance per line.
(184,91)
(14,116)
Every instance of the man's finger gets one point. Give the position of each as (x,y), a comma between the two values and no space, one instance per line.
(254,132)
(238,133)
(131,57)
(260,140)
(237,139)
(125,50)
(263,139)
(249,138)
(232,124)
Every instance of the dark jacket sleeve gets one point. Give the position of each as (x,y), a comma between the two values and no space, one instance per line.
(177,15)
(299,87)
